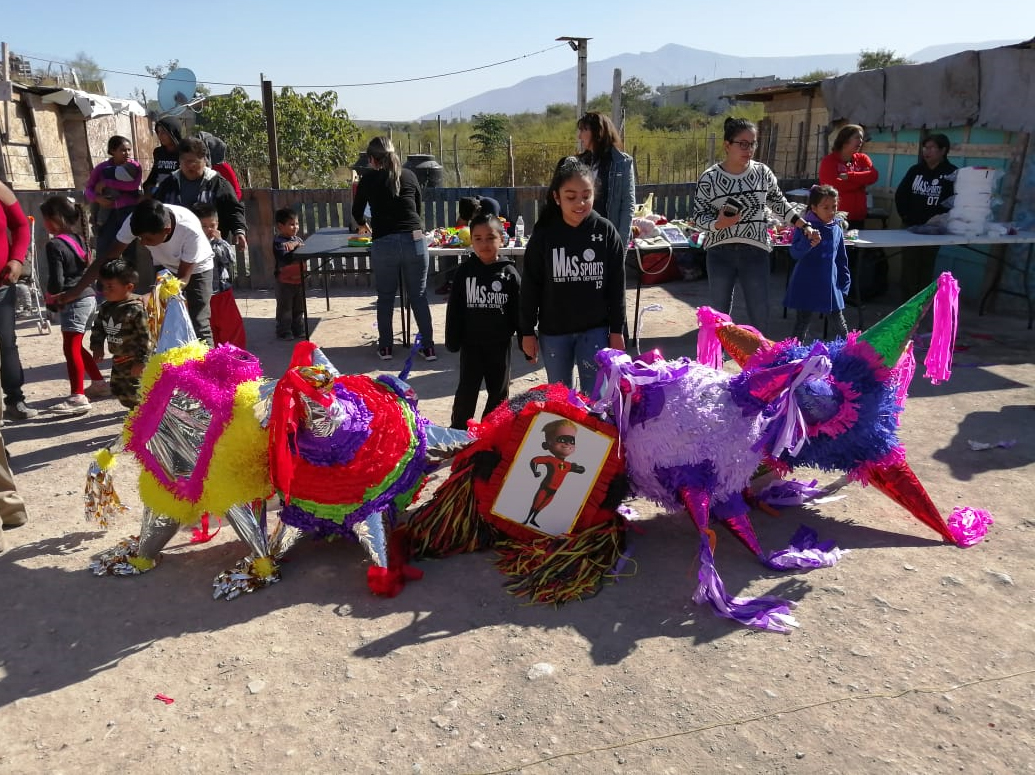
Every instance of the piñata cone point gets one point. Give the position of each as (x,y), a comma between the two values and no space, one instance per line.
(898,482)
(740,343)
(890,335)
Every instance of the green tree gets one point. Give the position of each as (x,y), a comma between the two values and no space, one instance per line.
(601,103)
(490,133)
(561,110)
(817,75)
(91,76)
(878,58)
(636,96)
(315,137)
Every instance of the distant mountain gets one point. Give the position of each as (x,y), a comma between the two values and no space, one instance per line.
(931,53)
(671,65)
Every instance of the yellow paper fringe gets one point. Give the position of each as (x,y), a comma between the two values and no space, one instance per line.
(238,472)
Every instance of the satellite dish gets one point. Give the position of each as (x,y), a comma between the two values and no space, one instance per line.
(176,91)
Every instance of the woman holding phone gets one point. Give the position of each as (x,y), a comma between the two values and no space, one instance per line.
(730,205)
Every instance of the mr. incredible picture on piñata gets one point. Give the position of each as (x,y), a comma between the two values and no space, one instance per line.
(517,489)
(552,468)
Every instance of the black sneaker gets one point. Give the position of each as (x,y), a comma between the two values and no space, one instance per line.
(428,353)
(384,353)
(19,411)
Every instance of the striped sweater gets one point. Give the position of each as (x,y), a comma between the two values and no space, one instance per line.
(755,189)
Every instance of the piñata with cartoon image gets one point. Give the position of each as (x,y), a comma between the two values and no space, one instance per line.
(541,483)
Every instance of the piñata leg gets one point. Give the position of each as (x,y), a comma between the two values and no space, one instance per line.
(137,554)
(259,569)
(767,613)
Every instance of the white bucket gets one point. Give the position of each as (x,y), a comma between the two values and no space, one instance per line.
(966,228)
(972,199)
(976,179)
(971,214)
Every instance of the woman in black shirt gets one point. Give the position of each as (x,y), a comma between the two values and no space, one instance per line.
(398,245)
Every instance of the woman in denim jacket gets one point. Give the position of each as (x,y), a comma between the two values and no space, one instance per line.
(613,168)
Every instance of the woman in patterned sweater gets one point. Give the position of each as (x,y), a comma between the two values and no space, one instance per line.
(730,206)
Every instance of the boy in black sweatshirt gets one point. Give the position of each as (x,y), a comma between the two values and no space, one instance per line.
(481,318)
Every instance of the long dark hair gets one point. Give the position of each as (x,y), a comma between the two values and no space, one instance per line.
(603,131)
(846,133)
(381,150)
(567,168)
(67,212)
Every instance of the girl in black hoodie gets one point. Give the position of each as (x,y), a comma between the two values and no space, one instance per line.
(573,282)
(166,154)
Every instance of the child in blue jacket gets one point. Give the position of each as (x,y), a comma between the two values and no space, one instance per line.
(820,280)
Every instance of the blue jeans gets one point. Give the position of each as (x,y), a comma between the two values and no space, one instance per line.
(392,255)
(563,352)
(12,377)
(750,264)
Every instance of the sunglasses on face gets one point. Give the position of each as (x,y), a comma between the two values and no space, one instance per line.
(564,440)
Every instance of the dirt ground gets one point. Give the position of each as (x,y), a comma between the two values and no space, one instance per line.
(912,655)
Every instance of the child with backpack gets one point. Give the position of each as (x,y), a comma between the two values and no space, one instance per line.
(67,259)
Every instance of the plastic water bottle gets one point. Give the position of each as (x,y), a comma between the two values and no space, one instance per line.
(519,232)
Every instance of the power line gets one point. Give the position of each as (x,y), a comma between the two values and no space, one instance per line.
(325,86)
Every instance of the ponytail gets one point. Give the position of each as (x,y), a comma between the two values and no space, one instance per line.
(732,127)
(567,168)
(67,212)
(381,150)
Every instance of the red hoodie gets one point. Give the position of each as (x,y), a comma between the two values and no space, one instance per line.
(12,217)
(851,190)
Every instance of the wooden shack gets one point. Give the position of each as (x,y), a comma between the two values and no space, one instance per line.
(981,100)
(50,138)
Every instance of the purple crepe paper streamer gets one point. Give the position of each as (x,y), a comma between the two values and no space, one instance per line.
(805,553)
(790,492)
(765,613)
(409,360)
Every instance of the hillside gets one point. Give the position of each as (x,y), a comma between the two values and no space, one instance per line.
(671,64)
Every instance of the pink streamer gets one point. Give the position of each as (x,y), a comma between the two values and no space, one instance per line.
(709,348)
(904,371)
(946,319)
(968,526)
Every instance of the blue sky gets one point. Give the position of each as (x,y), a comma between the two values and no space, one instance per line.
(320,44)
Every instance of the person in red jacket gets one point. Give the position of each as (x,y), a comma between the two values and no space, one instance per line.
(15,234)
(850,172)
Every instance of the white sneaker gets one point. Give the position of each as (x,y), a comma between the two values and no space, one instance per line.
(71,406)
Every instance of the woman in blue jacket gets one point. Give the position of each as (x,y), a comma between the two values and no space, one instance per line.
(615,177)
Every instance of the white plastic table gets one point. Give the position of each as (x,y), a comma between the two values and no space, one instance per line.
(894,239)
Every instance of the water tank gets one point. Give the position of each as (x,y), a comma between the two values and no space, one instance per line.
(362,164)
(426,168)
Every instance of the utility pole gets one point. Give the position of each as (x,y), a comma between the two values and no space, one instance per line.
(617,108)
(271,131)
(580,47)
